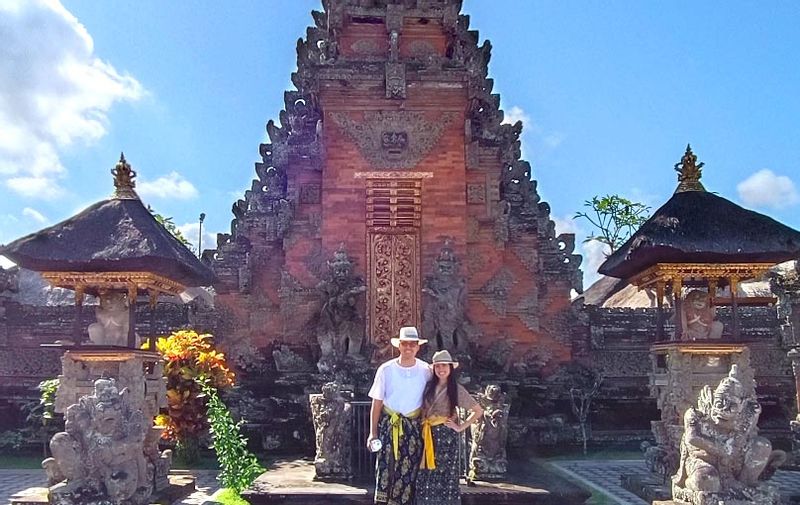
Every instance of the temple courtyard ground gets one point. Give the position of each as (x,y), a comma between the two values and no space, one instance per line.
(599,476)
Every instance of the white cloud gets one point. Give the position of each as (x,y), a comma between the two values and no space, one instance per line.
(767,189)
(515,114)
(54,92)
(553,140)
(565,225)
(594,254)
(44,188)
(35,215)
(191,232)
(172,185)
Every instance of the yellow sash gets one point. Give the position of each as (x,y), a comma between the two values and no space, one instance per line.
(396,422)
(429,457)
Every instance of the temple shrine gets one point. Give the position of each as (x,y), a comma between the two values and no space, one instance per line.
(392,193)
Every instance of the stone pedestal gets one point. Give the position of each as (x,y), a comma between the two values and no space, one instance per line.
(680,370)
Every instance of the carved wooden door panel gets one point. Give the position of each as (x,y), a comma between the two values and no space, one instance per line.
(393,286)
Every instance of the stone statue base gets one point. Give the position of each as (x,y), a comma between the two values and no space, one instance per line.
(763,494)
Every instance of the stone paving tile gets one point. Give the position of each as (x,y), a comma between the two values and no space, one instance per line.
(604,476)
(14,481)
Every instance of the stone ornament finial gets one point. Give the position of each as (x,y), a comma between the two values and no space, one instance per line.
(689,172)
(123,180)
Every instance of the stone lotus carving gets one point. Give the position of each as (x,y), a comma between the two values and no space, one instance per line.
(100,457)
(420,132)
(698,317)
(721,454)
(113,320)
(332,429)
(488,458)
(340,330)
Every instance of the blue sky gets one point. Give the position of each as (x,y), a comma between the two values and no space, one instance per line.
(609,92)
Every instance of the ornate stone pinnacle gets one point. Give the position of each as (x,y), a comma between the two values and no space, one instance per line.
(689,172)
(123,180)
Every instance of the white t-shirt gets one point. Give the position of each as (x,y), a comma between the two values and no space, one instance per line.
(401,387)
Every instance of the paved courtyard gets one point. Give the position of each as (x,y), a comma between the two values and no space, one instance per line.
(603,476)
(14,481)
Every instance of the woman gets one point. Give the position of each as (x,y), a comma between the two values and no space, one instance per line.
(437,480)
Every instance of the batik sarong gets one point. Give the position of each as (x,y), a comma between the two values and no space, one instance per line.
(440,485)
(395,476)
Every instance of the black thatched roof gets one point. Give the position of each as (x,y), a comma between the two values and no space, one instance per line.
(699,227)
(113,235)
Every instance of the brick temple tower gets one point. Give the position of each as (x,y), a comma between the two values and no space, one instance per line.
(392,193)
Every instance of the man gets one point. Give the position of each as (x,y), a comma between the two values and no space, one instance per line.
(395,419)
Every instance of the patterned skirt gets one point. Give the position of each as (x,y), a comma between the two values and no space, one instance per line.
(395,480)
(440,486)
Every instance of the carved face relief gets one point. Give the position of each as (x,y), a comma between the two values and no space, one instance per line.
(393,139)
(726,407)
(394,143)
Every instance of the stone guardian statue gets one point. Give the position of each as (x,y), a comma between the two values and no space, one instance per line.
(488,457)
(721,454)
(340,331)
(100,457)
(332,425)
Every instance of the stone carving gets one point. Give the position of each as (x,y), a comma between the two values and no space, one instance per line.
(340,331)
(722,456)
(420,134)
(488,458)
(698,317)
(100,455)
(332,417)
(395,80)
(476,193)
(9,280)
(286,360)
(366,47)
(444,320)
(113,320)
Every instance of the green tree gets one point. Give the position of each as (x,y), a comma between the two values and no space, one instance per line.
(169,224)
(615,219)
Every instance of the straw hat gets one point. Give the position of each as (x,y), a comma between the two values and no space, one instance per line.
(443,358)
(408,334)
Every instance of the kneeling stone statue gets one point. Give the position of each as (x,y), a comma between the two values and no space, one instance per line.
(722,455)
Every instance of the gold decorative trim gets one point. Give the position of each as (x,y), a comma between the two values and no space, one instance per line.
(704,348)
(393,174)
(681,272)
(86,282)
(89,355)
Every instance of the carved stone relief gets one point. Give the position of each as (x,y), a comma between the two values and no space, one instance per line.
(395,80)
(393,139)
(476,193)
(366,47)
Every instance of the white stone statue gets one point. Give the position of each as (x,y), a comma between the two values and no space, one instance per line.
(113,320)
